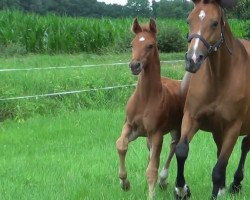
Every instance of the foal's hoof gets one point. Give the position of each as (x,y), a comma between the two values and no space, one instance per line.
(182,193)
(163,184)
(125,185)
(235,189)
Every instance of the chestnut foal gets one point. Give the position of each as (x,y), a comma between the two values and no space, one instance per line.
(155,107)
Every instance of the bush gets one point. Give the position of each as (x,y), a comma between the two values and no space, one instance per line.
(170,39)
(12,49)
(247,30)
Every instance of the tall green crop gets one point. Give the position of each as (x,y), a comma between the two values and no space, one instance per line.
(55,34)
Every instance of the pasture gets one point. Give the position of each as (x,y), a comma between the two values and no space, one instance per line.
(63,147)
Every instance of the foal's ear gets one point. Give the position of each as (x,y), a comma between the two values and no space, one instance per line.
(196,1)
(136,28)
(152,26)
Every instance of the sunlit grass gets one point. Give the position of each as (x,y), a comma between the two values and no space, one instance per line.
(72,155)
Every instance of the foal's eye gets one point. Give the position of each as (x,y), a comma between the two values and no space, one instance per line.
(215,24)
(150,46)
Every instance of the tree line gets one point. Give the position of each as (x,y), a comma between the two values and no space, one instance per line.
(177,9)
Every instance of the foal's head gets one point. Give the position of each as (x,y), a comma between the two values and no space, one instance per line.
(143,45)
(206,32)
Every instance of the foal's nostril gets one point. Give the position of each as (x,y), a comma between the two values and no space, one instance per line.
(137,65)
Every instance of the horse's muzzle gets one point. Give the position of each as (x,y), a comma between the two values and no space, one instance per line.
(193,61)
(136,67)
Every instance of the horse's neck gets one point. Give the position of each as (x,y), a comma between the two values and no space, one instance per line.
(149,82)
(219,62)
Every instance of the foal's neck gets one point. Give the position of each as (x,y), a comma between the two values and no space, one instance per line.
(149,82)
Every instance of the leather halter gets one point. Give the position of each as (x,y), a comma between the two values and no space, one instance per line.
(217,45)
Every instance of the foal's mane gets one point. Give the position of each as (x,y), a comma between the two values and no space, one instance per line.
(146,28)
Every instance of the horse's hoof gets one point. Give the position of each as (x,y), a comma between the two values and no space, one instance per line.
(222,192)
(163,184)
(182,193)
(235,189)
(125,185)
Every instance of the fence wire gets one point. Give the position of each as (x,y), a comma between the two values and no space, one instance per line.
(73,91)
(75,66)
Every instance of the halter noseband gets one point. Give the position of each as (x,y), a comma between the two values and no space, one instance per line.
(217,45)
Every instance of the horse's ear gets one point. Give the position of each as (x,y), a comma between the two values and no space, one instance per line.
(136,28)
(152,26)
(227,3)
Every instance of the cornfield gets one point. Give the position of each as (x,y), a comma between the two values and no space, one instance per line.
(55,34)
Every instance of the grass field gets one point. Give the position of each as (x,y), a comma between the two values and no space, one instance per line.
(73,156)
(58,148)
(22,83)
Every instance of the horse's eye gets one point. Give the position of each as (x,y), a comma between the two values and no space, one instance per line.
(215,24)
(150,46)
(188,21)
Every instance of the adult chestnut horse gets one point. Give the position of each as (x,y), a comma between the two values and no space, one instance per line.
(218,98)
(155,108)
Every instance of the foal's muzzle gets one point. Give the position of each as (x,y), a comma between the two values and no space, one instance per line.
(136,67)
(194,60)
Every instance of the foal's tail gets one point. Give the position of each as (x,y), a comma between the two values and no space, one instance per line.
(185,86)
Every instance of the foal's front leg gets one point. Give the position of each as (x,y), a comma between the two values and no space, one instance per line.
(122,147)
(155,140)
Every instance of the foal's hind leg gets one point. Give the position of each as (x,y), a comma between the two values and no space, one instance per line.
(164,172)
(239,174)
(122,147)
(155,140)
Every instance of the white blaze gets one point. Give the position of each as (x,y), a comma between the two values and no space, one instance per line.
(196,44)
(142,39)
(202,15)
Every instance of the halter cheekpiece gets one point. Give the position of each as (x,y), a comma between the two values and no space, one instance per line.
(217,45)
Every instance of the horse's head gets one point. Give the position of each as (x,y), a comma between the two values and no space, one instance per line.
(143,45)
(206,32)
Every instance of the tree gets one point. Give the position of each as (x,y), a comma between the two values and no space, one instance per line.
(139,8)
(177,9)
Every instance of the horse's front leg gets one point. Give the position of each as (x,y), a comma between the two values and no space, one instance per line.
(230,137)
(188,129)
(122,147)
(164,172)
(155,141)
(218,139)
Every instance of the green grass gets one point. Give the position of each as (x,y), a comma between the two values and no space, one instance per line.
(22,83)
(72,155)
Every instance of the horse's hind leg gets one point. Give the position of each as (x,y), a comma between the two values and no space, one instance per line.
(164,172)
(122,147)
(239,174)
